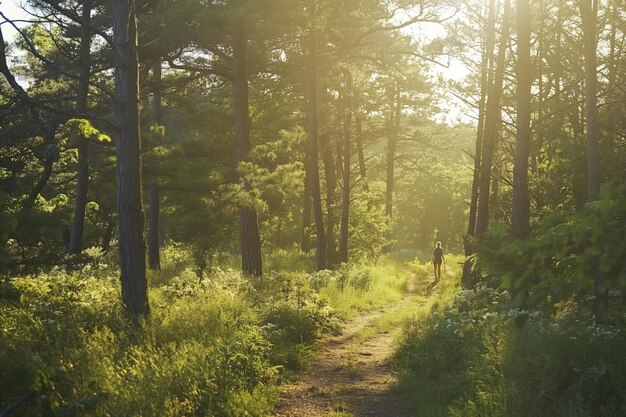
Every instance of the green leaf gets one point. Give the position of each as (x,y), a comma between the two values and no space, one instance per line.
(77,129)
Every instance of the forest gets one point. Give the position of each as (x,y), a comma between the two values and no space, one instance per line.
(233,208)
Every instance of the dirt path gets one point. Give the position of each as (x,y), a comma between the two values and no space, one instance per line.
(352,375)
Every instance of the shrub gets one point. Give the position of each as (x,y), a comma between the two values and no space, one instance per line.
(210,348)
(560,259)
(470,358)
(369,229)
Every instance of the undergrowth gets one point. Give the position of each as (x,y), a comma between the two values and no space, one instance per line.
(217,343)
(351,290)
(470,355)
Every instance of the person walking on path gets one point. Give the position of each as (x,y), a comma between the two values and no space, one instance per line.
(437,260)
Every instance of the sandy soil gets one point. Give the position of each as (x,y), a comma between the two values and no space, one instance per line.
(347,377)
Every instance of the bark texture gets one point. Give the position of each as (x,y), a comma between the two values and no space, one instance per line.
(589,12)
(492,119)
(312,157)
(250,241)
(521,202)
(468,277)
(589,15)
(132,244)
(157,108)
(331,190)
(520,222)
(358,138)
(484,83)
(306,217)
(154,256)
(345,190)
(392,144)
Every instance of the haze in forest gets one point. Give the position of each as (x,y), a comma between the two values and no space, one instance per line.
(197,198)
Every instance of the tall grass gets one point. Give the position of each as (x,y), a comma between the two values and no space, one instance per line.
(217,343)
(355,289)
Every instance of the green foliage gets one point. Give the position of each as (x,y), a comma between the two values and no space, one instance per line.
(8,223)
(292,331)
(433,185)
(34,236)
(369,229)
(213,346)
(82,129)
(559,260)
(294,316)
(288,260)
(468,358)
(352,288)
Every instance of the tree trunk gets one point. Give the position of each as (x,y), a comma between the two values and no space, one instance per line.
(492,118)
(613,57)
(338,145)
(331,190)
(392,143)
(250,242)
(468,277)
(248,224)
(312,158)
(359,147)
(589,13)
(345,190)
(485,80)
(521,202)
(558,68)
(82,175)
(154,240)
(306,217)
(132,244)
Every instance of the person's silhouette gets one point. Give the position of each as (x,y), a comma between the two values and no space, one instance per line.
(437,260)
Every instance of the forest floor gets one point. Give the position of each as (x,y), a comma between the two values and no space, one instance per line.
(352,375)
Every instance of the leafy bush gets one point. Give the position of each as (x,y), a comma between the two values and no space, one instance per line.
(174,260)
(359,278)
(213,346)
(321,279)
(369,229)
(468,358)
(294,316)
(559,260)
